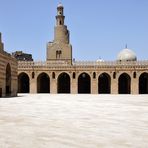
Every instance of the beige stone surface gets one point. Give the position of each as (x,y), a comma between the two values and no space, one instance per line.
(10,76)
(74,121)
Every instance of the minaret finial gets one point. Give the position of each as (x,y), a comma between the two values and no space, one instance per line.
(60,4)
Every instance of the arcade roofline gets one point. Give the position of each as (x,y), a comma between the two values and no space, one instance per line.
(83,64)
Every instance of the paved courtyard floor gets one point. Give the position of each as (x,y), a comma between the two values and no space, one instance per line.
(74,121)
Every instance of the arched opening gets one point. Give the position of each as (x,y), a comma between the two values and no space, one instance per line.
(143,83)
(134,75)
(33,75)
(84,83)
(104,82)
(23,83)
(74,75)
(94,75)
(124,84)
(114,75)
(53,75)
(8,79)
(43,83)
(63,83)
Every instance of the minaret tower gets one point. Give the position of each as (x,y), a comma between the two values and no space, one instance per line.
(60,49)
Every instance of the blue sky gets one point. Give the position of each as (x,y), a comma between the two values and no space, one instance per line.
(98,28)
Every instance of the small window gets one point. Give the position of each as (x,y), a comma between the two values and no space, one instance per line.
(94,75)
(74,75)
(134,74)
(33,74)
(58,54)
(60,22)
(53,75)
(114,75)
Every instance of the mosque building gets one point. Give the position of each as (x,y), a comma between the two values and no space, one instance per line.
(60,74)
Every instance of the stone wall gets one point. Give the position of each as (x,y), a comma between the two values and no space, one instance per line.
(7,60)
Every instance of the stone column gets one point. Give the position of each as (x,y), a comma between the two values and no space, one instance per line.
(114,86)
(53,86)
(74,86)
(94,86)
(14,87)
(134,86)
(33,85)
(4,87)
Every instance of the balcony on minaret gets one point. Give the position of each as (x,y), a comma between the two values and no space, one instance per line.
(60,15)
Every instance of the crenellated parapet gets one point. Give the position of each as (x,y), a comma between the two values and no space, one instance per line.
(83,64)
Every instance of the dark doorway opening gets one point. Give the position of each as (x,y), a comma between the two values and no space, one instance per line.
(43,83)
(124,84)
(63,83)
(8,80)
(143,83)
(104,82)
(84,83)
(23,83)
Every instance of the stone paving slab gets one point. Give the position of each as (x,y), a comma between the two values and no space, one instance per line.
(74,121)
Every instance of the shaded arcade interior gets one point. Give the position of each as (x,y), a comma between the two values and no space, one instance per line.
(124,86)
(43,83)
(143,83)
(23,83)
(104,84)
(84,84)
(8,80)
(63,85)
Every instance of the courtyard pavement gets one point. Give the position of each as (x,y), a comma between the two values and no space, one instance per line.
(74,121)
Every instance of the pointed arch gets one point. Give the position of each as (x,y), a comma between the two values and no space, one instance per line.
(143,83)
(74,75)
(53,75)
(23,83)
(124,84)
(33,75)
(43,83)
(84,83)
(63,83)
(104,84)
(8,79)
(94,75)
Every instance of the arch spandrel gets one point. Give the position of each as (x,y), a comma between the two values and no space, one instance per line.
(40,72)
(27,73)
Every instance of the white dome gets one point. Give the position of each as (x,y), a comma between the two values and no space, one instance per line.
(100,60)
(126,55)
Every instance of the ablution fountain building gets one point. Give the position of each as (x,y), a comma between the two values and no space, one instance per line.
(60,74)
